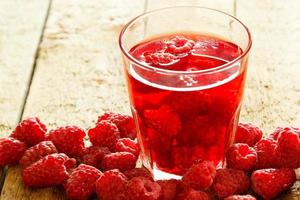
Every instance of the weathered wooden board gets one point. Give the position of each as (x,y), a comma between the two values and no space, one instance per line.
(273,87)
(272,95)
(78,73)
(21,26)
(224,5)
(79,68)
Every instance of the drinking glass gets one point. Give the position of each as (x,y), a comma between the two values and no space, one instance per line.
(185,116)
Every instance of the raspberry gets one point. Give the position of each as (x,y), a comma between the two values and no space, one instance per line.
(189,105)
(184,157)
(81,183)
(241,156)
(198,131)
(111,186)
(230,182)
(49,171)
(268,183)
(164,120)
(127,145)
(11,150)
(288,149)
(240,197)
(248,133)
(36,153)
(104,134)
(179,45)
(138,172)
(266,155)
(157,141)
(169,188)
(119,160)
(142,188)
(68,140)
(159,58)
(30,130)
(193,195)
(200,176)
(124,123)
(279,130)
(94,156)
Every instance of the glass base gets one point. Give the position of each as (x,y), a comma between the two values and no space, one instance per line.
(161,175)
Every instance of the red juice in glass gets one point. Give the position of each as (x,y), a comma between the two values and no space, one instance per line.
(185,92)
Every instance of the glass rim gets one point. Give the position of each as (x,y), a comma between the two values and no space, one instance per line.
(145,65)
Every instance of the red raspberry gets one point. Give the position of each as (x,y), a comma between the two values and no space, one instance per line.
(179,45)
(49,171)
(11,150)
(127,145)
(240,197)
(200,176)
(198,130)
(169,188)
(124,123)
(288,149)
(241,156)
(248,133)
(30,130)
(266,155)
(159,58)
(141,188)
(36,153)
(94,156)
(119,160)
(191,194)
(68,140)
(279,130)
(164,120)
(189,105)
(268,183)
(104,134)
(81,183)
(138,172)
(230,182)
(112,186)
(184,157)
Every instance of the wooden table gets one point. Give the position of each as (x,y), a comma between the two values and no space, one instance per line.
(60,61)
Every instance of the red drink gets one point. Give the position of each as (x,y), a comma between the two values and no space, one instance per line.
(189,117)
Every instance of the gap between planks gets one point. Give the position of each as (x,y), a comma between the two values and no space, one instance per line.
(36,55)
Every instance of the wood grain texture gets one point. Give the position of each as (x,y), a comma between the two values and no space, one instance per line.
(78,73)
(273,85)
(79,69)
(272,95)
(224,5)
(15,189)
(21,24)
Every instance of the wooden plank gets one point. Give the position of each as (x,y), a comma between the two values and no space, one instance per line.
(78,73)
(157,26)
(224,5)
(273,86)
(21,25)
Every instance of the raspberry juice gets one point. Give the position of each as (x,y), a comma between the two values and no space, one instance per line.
(188,109)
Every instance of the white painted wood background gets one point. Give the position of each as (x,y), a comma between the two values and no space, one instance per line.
(60,61)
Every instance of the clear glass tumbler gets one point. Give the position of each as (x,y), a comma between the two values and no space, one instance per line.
(186,109)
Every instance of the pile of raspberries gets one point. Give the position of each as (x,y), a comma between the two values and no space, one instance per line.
(263,167)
